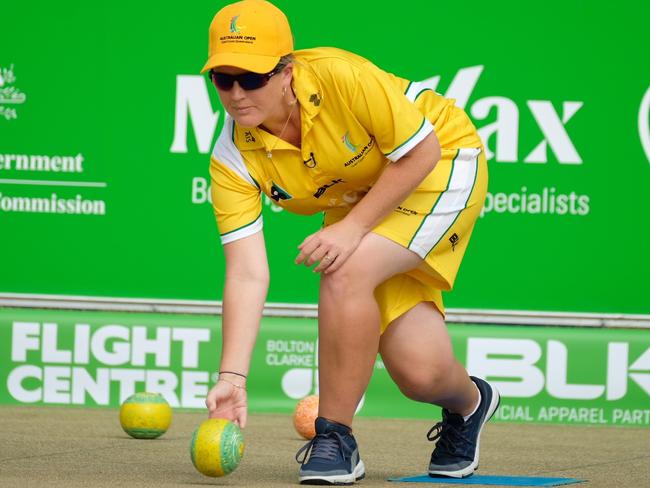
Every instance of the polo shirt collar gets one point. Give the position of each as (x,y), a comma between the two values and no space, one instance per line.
(308,89)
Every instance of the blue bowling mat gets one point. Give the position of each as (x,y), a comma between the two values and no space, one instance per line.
(490,480)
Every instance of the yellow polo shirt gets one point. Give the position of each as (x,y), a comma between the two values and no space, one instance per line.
(355,119)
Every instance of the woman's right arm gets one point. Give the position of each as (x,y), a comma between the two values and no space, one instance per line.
(245,290)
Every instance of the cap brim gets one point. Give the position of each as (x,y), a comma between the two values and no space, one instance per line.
(249,62)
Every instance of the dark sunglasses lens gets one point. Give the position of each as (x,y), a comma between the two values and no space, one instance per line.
(223,81)
(251,81)
(248,81)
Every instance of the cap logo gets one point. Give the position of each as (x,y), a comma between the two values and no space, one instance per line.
(235,35)
(234,28)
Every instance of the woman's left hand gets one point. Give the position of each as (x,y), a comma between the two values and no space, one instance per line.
(331,246)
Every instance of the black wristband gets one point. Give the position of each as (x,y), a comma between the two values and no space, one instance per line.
(232,372)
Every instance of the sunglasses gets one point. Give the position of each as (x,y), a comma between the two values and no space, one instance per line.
(248,81)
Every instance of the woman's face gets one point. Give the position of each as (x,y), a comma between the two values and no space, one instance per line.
(251,108)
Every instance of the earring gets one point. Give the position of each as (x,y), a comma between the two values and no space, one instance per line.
(290,102)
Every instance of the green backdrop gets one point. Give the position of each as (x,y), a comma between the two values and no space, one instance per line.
(557,90)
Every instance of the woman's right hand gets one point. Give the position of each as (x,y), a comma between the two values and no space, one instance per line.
(227,400)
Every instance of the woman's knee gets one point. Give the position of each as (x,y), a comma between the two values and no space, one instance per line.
(346,281)
(427,385)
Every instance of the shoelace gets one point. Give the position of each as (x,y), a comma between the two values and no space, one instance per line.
(449,436)
(324,446)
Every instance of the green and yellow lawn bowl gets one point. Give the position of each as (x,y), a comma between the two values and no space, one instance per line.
(217,447)
(145,415)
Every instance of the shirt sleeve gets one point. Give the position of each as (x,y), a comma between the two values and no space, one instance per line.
(236,197)
(386,113)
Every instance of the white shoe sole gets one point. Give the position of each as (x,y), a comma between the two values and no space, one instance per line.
(340,479)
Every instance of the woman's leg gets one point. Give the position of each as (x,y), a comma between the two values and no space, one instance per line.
(417,352)
(349,323)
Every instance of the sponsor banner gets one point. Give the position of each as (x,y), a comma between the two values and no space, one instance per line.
(105,151)
(546,375)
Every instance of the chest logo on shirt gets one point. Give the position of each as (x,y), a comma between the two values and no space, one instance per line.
(323,188)
(278,193)
(356,159)
(311,162)
(348,143)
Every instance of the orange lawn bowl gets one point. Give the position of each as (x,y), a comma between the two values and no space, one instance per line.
(304,416)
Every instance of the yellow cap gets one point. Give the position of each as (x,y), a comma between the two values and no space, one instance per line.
(252,35)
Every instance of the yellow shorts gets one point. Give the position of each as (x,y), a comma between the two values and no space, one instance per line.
(435,222)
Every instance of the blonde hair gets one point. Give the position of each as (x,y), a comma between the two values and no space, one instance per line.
(286,59)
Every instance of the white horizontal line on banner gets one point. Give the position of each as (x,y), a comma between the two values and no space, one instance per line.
(456,315)
(96,184)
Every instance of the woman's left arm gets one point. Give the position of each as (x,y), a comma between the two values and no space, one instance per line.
(398,180)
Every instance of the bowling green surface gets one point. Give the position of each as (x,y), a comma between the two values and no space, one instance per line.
(68,447)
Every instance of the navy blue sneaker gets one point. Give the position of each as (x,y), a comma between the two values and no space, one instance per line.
(457,449)
(333,456)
